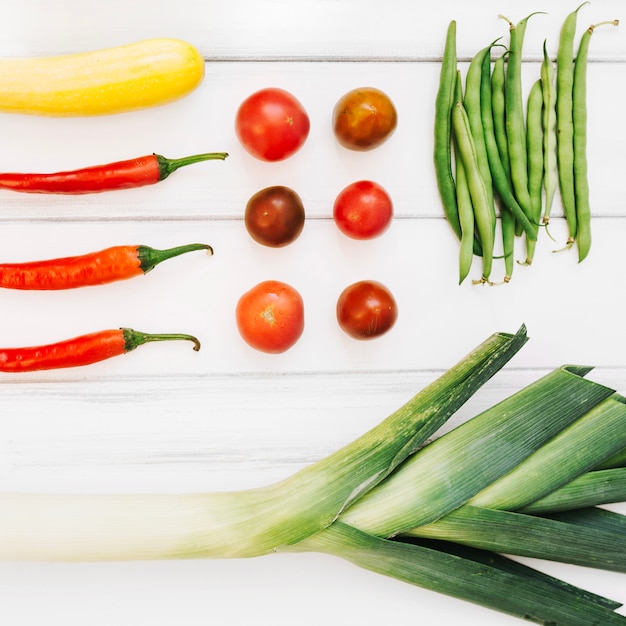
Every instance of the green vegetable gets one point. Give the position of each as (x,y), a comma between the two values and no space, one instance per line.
(482,451)
(499,175)
(380,501)
(498,80)
(579,118)
(534,143)
(472,102)
(443,130)
(520,151)
(514,108)
(589,489)
(464,202)
(565,122)
(550,174)
(482,202)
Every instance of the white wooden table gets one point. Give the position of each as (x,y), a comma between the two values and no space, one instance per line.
(164,418)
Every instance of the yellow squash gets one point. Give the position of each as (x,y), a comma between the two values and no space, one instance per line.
(112,80)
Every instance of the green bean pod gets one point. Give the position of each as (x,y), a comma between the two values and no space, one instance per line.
(499,176)
(478,192)
(507,220)
(534,147)
(550,168)
(498,79)
(514,109)
(443,133)
(565,121)
(581,182)
(464,202)
(473,107)
(507,226)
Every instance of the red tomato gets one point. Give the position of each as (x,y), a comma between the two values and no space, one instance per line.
(366,309)
(274,216)
(364,118)
(363,210)
(271,124)
(270,317)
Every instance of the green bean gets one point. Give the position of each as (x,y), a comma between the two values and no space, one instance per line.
(507,226)
(473,108)
(498,77)
(534,147)
(514,108)
(443,138)
(550,170)
(464,202)
(581,183)
(565,122)
(476,185)
(499,176)
(472,105)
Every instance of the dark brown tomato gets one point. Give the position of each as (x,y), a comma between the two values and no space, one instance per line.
(274,216)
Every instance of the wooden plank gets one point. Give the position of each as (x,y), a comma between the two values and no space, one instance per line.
(204,122)
(417,259)
(206,433)
(275,29)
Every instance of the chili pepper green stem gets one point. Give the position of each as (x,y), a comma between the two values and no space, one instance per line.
(167,166)
(133,338)
(150,257)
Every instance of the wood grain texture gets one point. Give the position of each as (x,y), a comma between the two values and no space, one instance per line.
(165,418)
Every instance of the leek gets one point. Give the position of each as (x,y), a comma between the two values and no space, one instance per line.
(246,523)
(593,517)
(591,489)
(370,501)
(483,581)
(480,451)
(595,436)
(524,535)
(617,460)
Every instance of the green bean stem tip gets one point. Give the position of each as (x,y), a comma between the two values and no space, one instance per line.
(606,23)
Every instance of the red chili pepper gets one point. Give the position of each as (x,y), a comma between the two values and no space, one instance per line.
(145,170)
(95,268)
(82,350)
